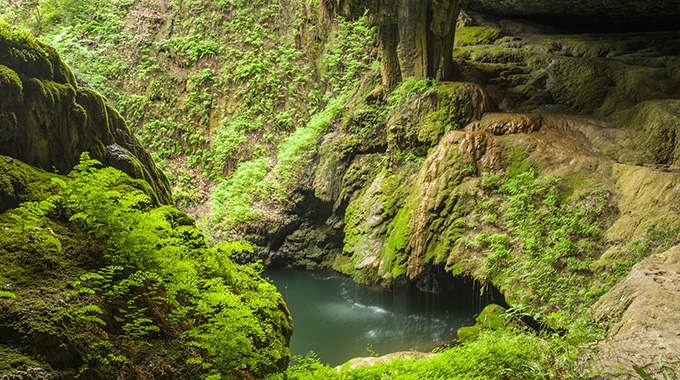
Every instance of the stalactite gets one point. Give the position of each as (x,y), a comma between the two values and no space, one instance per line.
(416,37)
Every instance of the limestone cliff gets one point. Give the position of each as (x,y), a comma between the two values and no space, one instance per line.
(547,171)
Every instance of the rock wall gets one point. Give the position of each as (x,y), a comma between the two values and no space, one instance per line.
(644,311)
(47,120)
(623,14)
(576,131)
(415,37)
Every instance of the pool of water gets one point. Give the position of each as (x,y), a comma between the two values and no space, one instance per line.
(339,319)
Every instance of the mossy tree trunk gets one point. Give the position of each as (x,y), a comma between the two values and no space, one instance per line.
(415,36)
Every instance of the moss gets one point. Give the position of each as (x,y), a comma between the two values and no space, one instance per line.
(370,236)
(584,84)
(459,104)
(13,360)
(491,54)
(97,116)
(493,317)
(58,94)
(604,86)
(20,183)
(436,203)
(393,256)
(657,127)
(11,89)
(44,323)
(61,72)
(21,52)
(475,35)
(128,184)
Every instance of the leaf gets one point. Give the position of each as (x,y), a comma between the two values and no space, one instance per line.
(640,370)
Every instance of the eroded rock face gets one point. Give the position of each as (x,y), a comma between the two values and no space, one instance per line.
(47,121)
(623,14)
(646,307)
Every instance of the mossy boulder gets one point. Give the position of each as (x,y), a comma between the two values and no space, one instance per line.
(12,89)
(493,317)
(85,298)
(23,53)
(21,183)
(47,121)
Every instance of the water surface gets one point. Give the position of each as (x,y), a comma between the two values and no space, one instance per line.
(339,319)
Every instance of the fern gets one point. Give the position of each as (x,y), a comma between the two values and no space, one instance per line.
(151,265)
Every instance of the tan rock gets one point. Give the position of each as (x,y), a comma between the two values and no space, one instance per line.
(646,306)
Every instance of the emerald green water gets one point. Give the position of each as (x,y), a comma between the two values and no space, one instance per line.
(339,319)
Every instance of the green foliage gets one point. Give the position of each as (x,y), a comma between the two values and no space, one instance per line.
(66,40)
(348,54)
(7,294)
(498,354)
(296,150)
(219,83)
(154,279)
(191,47)
(30,221)
(412,87)
(233,198)
(536,243)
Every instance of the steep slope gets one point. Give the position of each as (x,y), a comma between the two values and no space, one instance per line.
(214,89)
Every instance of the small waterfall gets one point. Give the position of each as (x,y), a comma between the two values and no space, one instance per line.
(338,318)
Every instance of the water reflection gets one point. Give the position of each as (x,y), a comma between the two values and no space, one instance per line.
(339,319)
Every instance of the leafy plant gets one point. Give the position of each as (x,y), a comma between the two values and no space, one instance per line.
(158,279)
(668,372)
(535,242)
(495,354)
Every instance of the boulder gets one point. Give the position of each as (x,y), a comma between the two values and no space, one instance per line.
(47,121)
